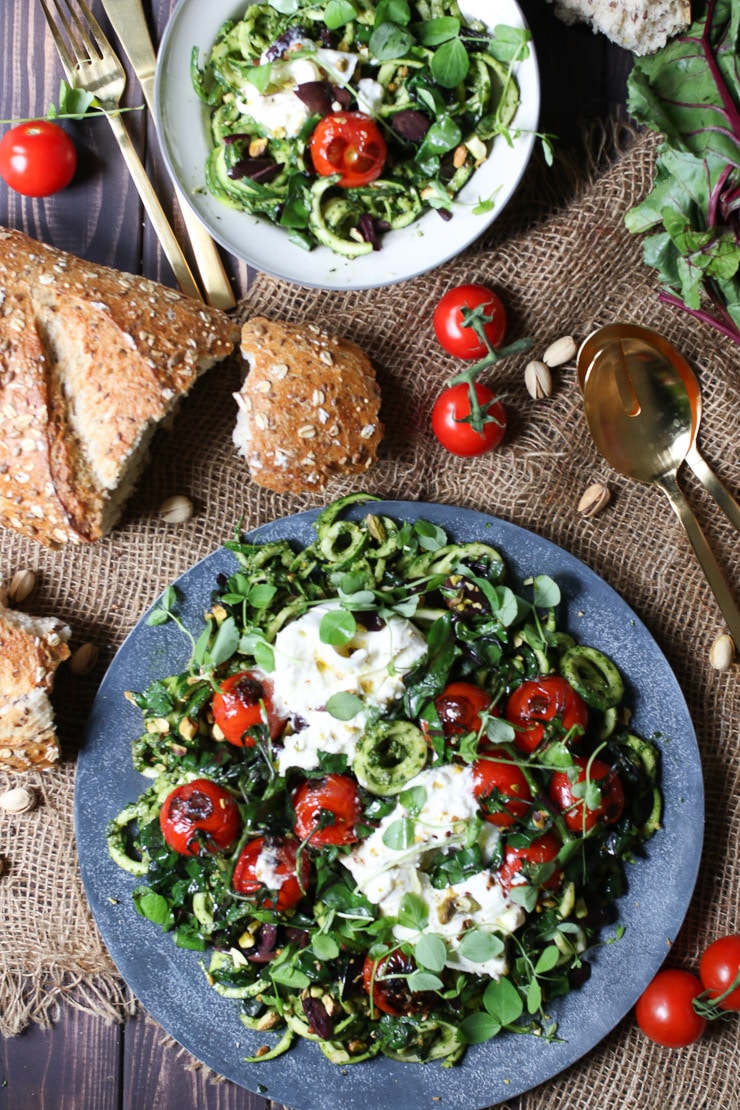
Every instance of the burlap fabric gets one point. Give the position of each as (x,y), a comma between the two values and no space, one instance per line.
(562,267)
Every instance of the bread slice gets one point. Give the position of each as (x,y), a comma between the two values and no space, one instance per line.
(31,649)
(642,26)
(92,360)
(309,407)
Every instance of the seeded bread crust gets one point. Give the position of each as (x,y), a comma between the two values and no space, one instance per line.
(641,26)
(309,407)
(91,361)
(31,649)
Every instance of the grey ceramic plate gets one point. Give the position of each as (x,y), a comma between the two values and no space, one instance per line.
(169,982)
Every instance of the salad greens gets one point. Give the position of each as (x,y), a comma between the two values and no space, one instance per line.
(440,89)
(689,91)
(316,969)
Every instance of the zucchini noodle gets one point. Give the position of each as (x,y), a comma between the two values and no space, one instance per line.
(431,918)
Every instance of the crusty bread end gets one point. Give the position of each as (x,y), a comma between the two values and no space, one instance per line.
(641,26)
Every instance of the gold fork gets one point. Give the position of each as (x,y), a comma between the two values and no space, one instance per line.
(91,64)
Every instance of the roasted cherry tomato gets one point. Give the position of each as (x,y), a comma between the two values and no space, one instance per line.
(350,144)
(580,817)
(270,864)
(459,707)
(37,158)
(665,1010)
(501,788)
(539,700)
(390,993)
(527,859)
(244,699)
(327,810)
(449,414)
(461,341)
(719,968)
(199,817)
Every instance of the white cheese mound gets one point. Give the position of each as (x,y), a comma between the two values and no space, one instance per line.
(385,874)
(307,673)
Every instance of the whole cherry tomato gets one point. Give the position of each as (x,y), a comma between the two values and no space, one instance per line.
(459,707)
(244,699)
(665,1010)
(37,158)
(350,144)
(199,817)
(449,424)
(448,321)
(270,864)
(528,858)
(327,810)
(539,700)
(501,788)
(582,818)
(390,992)
(719,968)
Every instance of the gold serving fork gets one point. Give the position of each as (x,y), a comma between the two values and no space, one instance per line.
(91,64)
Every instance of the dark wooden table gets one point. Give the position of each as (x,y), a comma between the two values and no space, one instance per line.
(83,1063)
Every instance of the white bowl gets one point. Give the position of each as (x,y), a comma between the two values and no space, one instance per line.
(183,123)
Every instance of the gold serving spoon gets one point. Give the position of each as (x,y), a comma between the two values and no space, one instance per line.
(671,365)
(642,420)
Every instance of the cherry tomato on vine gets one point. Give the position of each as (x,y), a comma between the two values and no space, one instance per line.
(350,144)
(719,968)
(528,858)
(199,817)
(390,992)
(449,420)
(270,864)
(447,321)
(501,788)
(37,158)
(580,817)
(539,700)
(327,810)
(238,706)
(665,1010)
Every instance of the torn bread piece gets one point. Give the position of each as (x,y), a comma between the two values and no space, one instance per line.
(641,26)
(309,409)
(92,361)
(31,649)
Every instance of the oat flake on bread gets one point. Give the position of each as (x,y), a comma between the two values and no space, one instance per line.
(309,408)
(92,360)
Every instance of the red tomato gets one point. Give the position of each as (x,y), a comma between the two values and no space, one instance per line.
(350,144)
(541,700)
(540,851)
(334,797)
(37,158)
(390,993)
(199,817)
(450,329)
(272,859)
(239,705)
(577,816)
(459,707)
(449,426)
(501,788)
(665,1011)
(719,968)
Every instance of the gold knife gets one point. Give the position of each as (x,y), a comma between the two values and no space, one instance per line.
(129,22)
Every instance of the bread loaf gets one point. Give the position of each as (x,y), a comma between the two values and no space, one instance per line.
(31,649)
(641,26)
(92,360)
(308,409)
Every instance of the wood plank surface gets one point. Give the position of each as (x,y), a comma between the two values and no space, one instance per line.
(83,1063)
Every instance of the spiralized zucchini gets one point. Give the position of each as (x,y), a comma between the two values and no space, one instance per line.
(421,977)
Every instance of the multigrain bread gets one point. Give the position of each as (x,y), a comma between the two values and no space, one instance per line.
(309,407)
(92,361)
(642,26)
(31,649)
